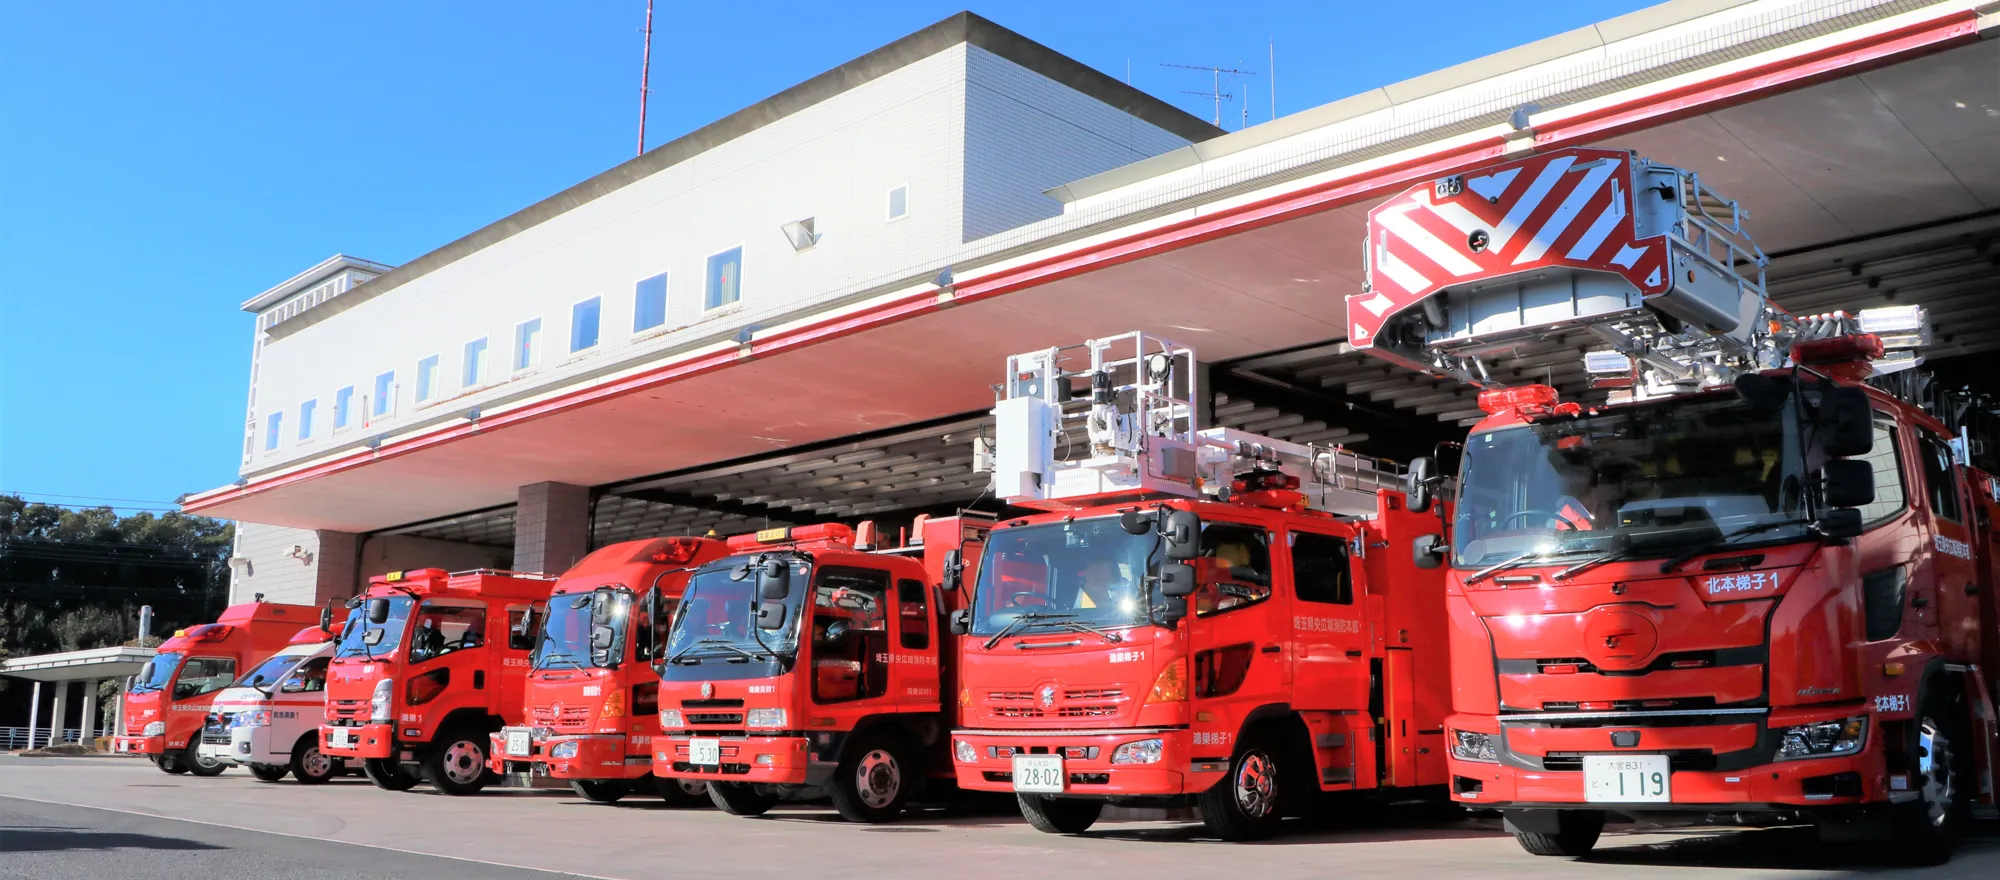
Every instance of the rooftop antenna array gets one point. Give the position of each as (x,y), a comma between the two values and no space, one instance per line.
(1215,92)
(645,68)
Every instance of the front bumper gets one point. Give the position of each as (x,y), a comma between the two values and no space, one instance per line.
(243,745)
(355,743)
(139,745)
(1087,761)
(769,760)
(598,756)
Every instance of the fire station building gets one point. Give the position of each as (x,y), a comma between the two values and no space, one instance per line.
(798,313)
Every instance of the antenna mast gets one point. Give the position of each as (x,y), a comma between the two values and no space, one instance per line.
(1215,93)
(645,68)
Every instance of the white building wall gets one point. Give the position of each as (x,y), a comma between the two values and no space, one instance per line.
(269,566)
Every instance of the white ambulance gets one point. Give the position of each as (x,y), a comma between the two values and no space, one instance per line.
(269,719)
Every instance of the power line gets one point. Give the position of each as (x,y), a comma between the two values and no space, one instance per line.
(83,497)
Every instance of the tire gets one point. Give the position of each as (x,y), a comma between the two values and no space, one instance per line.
(740,799)
(192,759)
(682,792)
(388,775)
(1576,835)
(455,763)
(600,791)
(1249,803)
(309,765)
(874,781)
(1059,815)
(169,764)
(269,772)
(1926,830)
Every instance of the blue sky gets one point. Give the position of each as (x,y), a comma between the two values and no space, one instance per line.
(161,163)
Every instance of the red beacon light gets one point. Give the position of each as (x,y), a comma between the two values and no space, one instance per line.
(208,632)
(1527,400)
(1843,357)
(826,533)
(669,551)
(311,635)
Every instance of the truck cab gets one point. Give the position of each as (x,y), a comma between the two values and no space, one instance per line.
(268,720)
(809,662)
(592,694)
(168,702)
(429,664)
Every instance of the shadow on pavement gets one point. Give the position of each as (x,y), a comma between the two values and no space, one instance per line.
(21,840)
(1770,848)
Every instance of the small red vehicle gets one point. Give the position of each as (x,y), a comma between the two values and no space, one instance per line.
(428,666)
(593,697)
(808,662)
(168,701)
(1198,618)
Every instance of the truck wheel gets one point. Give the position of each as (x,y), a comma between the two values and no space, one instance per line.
(682,792)
(1248,803)
(169,764)
(199,764)
(740,798)
(387,774)
(600,791)
(1575,836)
(1059,815)
(310,766)
(1927,829)
(874,780)
(269,772)
(456,762)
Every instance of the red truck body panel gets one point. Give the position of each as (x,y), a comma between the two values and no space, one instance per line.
(241,636)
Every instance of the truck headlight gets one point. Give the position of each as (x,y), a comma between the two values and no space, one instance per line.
(1824,739)
(671,719)
(964,752)
(564,749)
(380,709)
(1145,751)
(1469,746)
(252,718)
(764,718)
(156,728)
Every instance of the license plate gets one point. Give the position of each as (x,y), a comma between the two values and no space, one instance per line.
(1627,779)
(1039,773)
(517,743)
(705,752)
(341,737)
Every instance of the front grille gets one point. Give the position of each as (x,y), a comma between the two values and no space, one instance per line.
(1094,694)
(347,710)
(1633,705)
(1016,712)
(571,717)
(715,718)
(1087,711)
(712,704)
(1074,778)
(1696,760)
(729,769)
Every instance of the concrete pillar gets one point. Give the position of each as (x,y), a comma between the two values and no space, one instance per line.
(88,723)
(34,713)
(551,527)
(60,708)
(118,712)
(336,572)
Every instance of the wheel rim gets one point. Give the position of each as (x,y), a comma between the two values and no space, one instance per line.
(314,763)
(205,762)
(1935,762)
(878,779)
(463,762)
(692,787)
(1256,785)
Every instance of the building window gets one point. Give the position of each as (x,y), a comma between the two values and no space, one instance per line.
(343,408)
(427,378)
(899,202)
(385,394)
(306,419)
(725,279)
(273,424)
(527,343)
(583,324)
(475,362)
(649,303)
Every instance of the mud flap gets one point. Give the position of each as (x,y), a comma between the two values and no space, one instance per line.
(1857,825)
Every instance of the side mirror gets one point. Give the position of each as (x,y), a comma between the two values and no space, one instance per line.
(1417,483)
(292,685)
(961,621)
(521,637)
(1427,551)
(378,610)
(600,609)
(837,631)
(642,636)
(954,570)
(1843,522)
(1847,422)
(1182,530)
(1177,579)
(1847,482)
(1135,522)
(770,616)
(600,638)
(326,618)
(774,582)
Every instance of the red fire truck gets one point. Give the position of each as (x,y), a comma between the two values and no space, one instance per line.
(169,699)
(592,694)
(1197,616)
(429,664)
(1754,579)
(812,662)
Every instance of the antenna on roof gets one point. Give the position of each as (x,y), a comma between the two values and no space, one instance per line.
(645,68)
(1216,93)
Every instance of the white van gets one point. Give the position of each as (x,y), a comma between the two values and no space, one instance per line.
(269,719)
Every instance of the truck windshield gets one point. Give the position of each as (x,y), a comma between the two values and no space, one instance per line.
(269,672)
(716,623)
(1643,482)
(1088,571)
(157,673)
(375,641)
(584,630)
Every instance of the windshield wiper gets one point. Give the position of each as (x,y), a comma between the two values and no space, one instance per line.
(1503,565)
(1592,562)
(1721,540)
(1100,632)
(711,641)
(1022,622)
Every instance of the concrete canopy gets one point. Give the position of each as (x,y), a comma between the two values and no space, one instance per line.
(95,663)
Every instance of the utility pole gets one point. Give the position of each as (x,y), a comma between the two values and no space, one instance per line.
(645,69)
(1215,94)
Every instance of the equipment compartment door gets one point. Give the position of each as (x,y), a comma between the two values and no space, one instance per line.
(1328,625)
